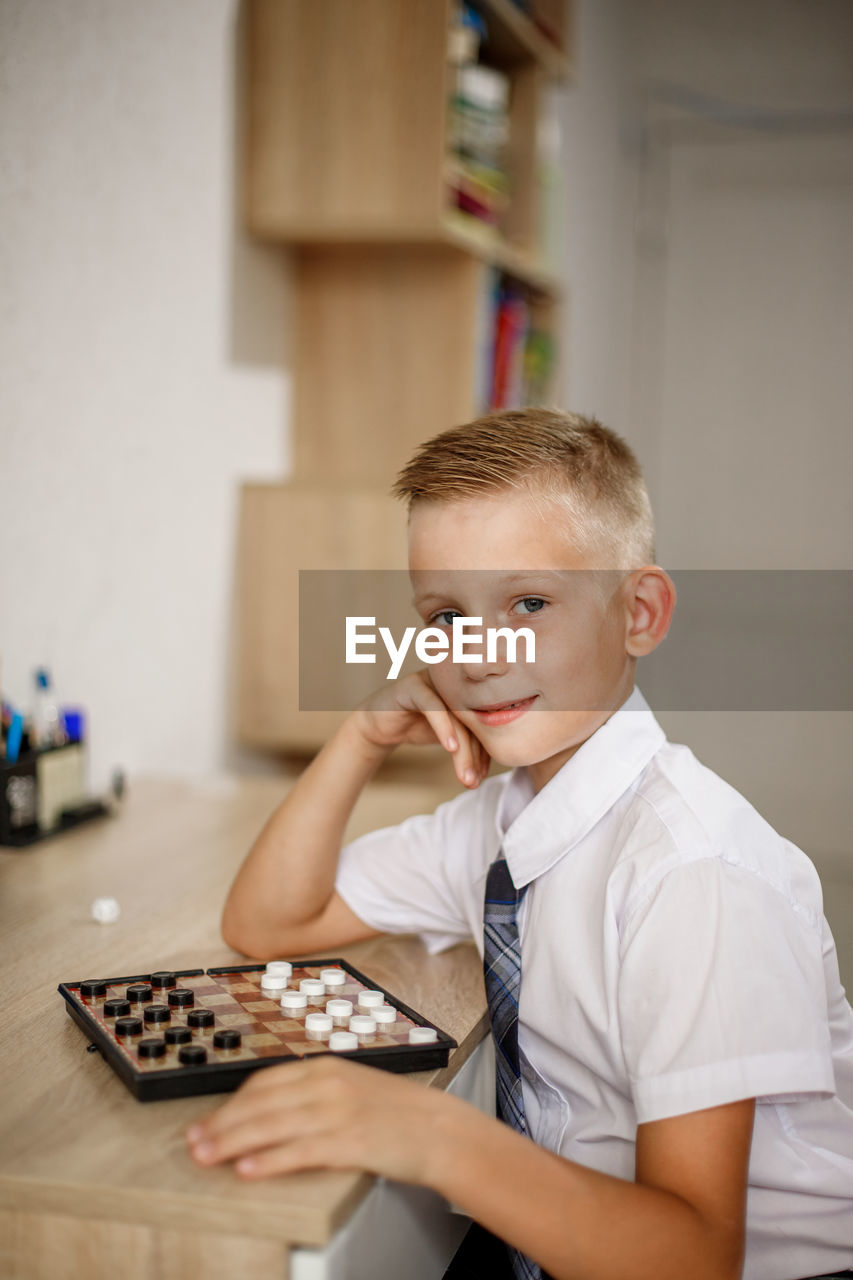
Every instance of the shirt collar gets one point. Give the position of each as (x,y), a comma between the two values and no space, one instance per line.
(536,830)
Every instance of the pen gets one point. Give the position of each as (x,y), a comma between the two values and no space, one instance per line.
(13,738)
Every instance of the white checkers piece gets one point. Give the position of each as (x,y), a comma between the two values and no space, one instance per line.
(281,968)
(105,910)
(313,989)
(423,1035)
(272,983)
(384,1015)
(370,1000)
(364,1027)
(294,1002)
(340,1041)
(340,1011)
(333,978)
(318,1026)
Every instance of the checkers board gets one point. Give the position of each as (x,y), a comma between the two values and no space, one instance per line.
(177,1038)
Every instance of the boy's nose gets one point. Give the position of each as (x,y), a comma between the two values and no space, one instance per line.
(477,672)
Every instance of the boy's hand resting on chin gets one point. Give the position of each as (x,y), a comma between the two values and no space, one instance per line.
(411,711)
(323,1113)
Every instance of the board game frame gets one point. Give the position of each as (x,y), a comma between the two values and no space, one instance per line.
(224,1077)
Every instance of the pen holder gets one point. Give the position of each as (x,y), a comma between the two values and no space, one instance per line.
(44,792)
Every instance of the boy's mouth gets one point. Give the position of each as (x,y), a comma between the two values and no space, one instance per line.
(504,712)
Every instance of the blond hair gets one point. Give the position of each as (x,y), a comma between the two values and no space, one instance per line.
(562,457)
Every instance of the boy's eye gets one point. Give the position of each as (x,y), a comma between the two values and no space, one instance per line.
(445,618)
(530,604)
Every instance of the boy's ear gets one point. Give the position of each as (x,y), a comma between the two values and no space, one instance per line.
(651,602)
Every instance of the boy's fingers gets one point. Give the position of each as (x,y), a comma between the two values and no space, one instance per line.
(463,755)
(483,760)
(253,1097)
(467,750)
(469,762)
(311,1152)
(439,718)
(261,1128)
(449,731)
(225,1144)
(287,1088)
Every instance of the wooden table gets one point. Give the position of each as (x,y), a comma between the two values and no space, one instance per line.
(94,1183)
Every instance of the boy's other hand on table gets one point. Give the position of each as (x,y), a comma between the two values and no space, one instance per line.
(326,1113)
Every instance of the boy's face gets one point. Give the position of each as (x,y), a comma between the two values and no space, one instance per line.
(511,560)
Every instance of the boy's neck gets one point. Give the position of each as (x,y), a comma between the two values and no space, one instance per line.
(541,772)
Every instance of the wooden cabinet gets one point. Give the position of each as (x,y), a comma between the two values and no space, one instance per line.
(348,121)
(347,159)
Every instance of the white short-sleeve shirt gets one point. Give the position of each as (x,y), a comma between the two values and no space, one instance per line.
(674,957)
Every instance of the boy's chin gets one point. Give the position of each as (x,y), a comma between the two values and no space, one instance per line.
(512,745)
(509,754)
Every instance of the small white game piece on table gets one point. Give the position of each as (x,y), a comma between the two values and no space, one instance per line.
(333,978)
(272,983)
(340,1011)
(370,999)
(318,1026)
(423,1035)
(314,989)
(384,1015)
(282,968)
(364,1027)
(294,1002)
(105,910)
(340,1041)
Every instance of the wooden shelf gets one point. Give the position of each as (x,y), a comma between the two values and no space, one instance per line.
(285,528)
(348,125)
(484,242)
(394,290)
(454,229)
(514,38)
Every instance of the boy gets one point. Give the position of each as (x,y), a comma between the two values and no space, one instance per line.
(682,1053)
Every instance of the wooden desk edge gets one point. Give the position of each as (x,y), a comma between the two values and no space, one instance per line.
(291,1225)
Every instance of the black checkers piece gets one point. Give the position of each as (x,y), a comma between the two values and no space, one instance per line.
(128,1026)
(225,1039)
(178,1035)
(163,978)
(156,1013)
(151,1048)
(200,1018)
(116,1008)
(93,989)
(181,998)
(138,993)
(192,1055)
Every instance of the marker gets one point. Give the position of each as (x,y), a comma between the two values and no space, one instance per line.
(13,737)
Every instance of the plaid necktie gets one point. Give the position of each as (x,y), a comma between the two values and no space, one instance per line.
(502,968)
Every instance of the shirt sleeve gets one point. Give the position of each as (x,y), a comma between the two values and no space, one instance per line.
(417,877)
(721,994)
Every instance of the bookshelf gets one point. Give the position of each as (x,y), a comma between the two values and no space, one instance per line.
(348,119)
(354,114)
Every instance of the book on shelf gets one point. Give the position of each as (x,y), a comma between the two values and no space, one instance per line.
(515,352)
(476,189)
(478,136)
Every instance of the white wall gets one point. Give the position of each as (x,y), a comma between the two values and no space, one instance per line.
(743,316)
(600,177)
(709,305)
(143,347)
